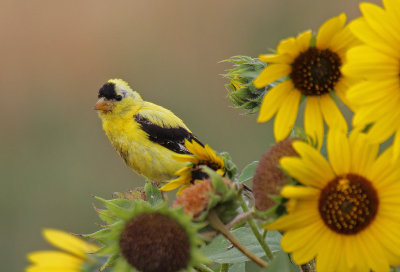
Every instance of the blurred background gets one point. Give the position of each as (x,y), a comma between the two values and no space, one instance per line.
(55,55)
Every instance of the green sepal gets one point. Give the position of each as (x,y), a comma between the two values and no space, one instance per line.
(230,166)
(242,93)
(224,200)
(110,262)
(105,215)
(153,194)
(118,207)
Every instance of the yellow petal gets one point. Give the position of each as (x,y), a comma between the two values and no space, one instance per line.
(274,99)
(313,123)
(293,221)
(384,128)
(69,242)
(286,116)
(303,173)
(332,115)
(180,191)
(343,40)
(363,31)
(186,158)
(329,29)
(173,184)
(363,153)
(379,21)
(303,243)
(372,251)
(211,152)
(200,152)
(271,73)
(329,252)
(382,167)
(314,160)
(183,171)
(396,146)
(55,259)
(276,58)
(289,47)
(381,110)
(377,66)
(290,191)
(303,41)
(365,92)
(392,9)
(36,268)
(338,152)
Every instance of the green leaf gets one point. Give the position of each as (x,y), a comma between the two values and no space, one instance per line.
(153,194)
(282,263)
(220,250)
(248,172)
(239,267)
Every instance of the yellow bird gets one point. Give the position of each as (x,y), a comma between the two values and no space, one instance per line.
(144,134)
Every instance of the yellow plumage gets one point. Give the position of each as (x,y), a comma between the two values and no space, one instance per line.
(144,134)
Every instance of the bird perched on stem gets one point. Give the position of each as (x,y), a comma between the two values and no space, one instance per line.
(144,134)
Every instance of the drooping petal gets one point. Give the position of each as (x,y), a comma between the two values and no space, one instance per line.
(286,115)
(69,242)
(290,191)
(338,152)
(276,58)
(303,41)
(314,160)
(328,29)
(332,115)
(313,123)
(55,259)
(271,73)
(274,99)
(307,175)
(363,153)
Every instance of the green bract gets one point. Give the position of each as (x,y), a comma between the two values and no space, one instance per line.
(242,92)
(149,238)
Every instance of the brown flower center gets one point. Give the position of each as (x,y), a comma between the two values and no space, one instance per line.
(348,204)
(315,71)
(154,242)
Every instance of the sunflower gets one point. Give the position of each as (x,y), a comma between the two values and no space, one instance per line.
(376,99)
(309,71)
(200,156)
(346,214)
(74,259)
(148,238)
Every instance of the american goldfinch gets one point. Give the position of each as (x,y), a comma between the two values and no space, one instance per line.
(145,135)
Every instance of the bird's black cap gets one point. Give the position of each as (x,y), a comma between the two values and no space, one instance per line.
(108,92)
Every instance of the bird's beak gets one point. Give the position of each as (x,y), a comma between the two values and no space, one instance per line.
(103,105)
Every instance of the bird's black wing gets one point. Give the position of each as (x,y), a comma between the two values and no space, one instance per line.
(171,138)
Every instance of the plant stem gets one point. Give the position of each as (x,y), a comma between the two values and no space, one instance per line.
(216,223)
(255,231)
(203,268)
(224,267)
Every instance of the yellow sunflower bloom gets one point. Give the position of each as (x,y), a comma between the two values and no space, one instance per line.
(73,258)
(376,99)
(346,214)
(310,71)
(200,156)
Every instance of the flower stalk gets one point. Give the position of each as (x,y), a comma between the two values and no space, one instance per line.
(254,229)
(216,223)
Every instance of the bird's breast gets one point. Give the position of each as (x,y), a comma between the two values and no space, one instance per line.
(139,153)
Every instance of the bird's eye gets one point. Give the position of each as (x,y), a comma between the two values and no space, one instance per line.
(118,98)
